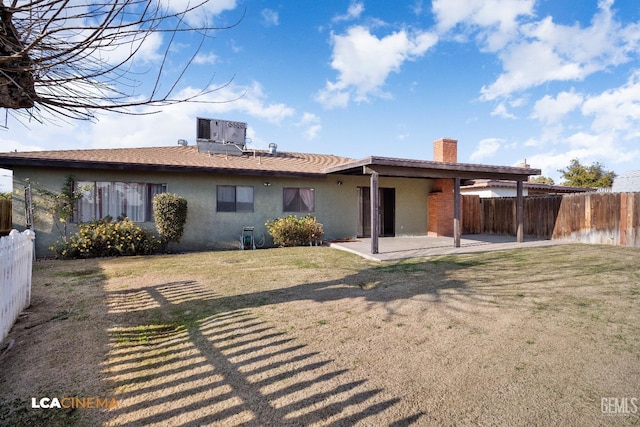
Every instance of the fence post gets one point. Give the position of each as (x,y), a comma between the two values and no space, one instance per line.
(31,235)
(519,212)
(587,213)
(622,229)
(629,225)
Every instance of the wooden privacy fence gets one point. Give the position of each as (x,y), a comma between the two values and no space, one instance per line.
(5,216)
(497,215)
(16,260)
(608,218)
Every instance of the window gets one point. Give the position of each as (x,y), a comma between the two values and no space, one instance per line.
(298,200)
(131,199)
(231,198)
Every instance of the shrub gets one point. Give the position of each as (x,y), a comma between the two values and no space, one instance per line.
(107,238)
(293,231)
(170,215)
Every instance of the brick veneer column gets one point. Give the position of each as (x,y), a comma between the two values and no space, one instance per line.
(440,218)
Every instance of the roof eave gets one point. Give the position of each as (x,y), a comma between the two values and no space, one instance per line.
(74,164)
(431,169)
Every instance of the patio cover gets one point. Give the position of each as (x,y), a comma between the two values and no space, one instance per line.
(423,169)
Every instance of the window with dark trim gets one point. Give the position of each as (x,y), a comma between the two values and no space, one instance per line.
(298,199)
(131,199)
(234,198)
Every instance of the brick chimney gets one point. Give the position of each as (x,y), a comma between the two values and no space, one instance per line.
(445,150)
(440,200)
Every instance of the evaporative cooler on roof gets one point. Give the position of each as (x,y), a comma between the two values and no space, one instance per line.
(221,136)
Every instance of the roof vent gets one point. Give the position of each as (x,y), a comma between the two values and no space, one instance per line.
(183,142)
(273,148)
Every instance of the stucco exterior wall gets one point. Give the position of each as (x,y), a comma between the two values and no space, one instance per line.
(411,204)
(46,233)
(336,206)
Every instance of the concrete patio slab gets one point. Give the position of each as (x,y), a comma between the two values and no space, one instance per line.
(396,248)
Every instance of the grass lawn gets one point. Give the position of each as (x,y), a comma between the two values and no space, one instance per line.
(315,336)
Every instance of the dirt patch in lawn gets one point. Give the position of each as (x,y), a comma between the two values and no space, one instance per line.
(314,336)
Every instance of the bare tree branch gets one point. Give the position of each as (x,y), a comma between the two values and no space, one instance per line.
(74,58)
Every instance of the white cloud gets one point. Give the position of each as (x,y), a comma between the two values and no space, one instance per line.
(551,134)
(545,51)
(551,110)
(205,58)
(232,102)
(140,54)
(201,14)
(78,28)
(497,20)
(485,13)
(312,132)
(364,62)
(177,121)
(332,96)
(250,100)
(311,124)
(147,49)
(586,147)
(550,163)
(616,109)
(501,111)
(270,18)
(146,45)
(12,144)
(612,120)
(308,118)
(353,12)
(527,65)
(486,148)
(518,102)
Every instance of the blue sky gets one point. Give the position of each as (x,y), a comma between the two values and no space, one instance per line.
(541,80)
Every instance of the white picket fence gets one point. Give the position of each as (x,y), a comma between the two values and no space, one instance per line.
(16,261)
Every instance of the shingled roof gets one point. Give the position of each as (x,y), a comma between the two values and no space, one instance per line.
(254,162)
(178,158)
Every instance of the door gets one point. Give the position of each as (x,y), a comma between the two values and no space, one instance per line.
(386,212)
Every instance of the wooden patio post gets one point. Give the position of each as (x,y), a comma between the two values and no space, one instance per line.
(457,229)
(374,212)
(519,212)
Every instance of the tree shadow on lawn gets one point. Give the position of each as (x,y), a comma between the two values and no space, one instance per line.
(233,370)
(185,355)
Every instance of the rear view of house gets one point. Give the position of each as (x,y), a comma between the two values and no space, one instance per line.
(229,186)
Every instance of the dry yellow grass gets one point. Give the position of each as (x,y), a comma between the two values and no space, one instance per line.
(313,336)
